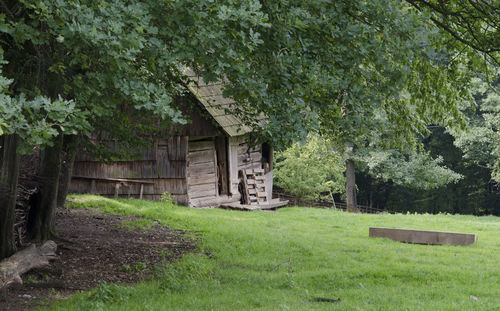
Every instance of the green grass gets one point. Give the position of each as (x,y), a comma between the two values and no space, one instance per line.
(281,261)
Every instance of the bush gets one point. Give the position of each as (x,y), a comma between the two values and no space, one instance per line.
(306,170)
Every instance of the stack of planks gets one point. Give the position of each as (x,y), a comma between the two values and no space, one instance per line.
(254,186)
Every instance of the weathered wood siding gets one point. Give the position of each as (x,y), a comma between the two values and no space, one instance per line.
(241,157)
(164,164)
(201,173)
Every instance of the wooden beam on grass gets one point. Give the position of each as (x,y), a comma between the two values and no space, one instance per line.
(423,237)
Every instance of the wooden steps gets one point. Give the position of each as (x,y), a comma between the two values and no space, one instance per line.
(271,206)
(254,186)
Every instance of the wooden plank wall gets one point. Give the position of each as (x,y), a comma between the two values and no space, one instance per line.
(201,172)
(241,157)
(164,164)
(249,158)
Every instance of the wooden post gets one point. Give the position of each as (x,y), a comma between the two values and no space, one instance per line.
(117,188)
(142,190)
(92,187)
(333,200)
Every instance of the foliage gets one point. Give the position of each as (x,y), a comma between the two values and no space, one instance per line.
(281,261)
(416,170)
(317,166)
(475,193)
(105,293)
(302,65)
(37,120)
(333,66)
(470,25)
(167,199)
(480,141)
(306,170)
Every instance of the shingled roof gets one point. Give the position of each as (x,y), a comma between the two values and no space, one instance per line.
(210,96)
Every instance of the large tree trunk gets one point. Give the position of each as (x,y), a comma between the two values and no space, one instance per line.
(9,175)
(41,220)
(352,204)
(68,159)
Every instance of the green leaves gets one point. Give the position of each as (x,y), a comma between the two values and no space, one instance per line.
(38,120)
(417,170)
(306,170)
(305,65)
(480,140)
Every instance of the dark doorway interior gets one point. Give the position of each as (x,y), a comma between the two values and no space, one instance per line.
(222,165)
(267,157)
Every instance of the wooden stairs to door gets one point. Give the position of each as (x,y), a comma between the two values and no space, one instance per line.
(254,193)
(254,187)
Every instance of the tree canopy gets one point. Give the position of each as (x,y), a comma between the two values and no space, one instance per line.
(346,69)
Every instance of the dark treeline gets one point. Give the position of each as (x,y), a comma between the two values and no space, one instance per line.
(474,194)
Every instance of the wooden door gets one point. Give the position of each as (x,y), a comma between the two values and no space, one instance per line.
(201,172)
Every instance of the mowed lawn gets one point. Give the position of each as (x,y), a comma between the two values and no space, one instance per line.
(284,260)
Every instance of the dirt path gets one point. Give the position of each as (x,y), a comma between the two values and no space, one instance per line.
(96,247)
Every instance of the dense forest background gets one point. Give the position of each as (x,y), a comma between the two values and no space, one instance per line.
(475,193)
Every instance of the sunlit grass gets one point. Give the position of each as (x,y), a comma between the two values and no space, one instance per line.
(283,260)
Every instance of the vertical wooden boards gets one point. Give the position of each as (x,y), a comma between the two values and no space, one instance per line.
(201,172)
(234,143)
(174,186)
(164,164)
(269,184)
(171,158)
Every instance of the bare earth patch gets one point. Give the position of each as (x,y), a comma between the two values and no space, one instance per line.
(96,247)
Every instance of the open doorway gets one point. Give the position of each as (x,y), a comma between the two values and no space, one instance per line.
(221,149)
(267,157)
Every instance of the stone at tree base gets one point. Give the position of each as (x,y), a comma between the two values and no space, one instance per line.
(423,237)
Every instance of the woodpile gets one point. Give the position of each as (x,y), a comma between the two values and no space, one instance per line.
(26,191)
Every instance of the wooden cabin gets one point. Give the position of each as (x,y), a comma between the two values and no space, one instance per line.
(199,165)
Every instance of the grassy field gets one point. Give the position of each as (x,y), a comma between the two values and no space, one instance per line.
(283,260)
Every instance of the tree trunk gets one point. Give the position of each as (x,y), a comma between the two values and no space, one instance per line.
(41,219)
(29,258)
(9,175)
(352,205)
(68,159)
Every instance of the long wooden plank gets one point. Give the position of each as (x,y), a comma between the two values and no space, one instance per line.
(207,179)
(200,194)
(423,237)
(201,187)
(201,156)
(246,194)
(138,181)
(201,145)
(193,173)
(265,206)
(198,166)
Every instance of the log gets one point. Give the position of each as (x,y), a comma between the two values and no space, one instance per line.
(23,261)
